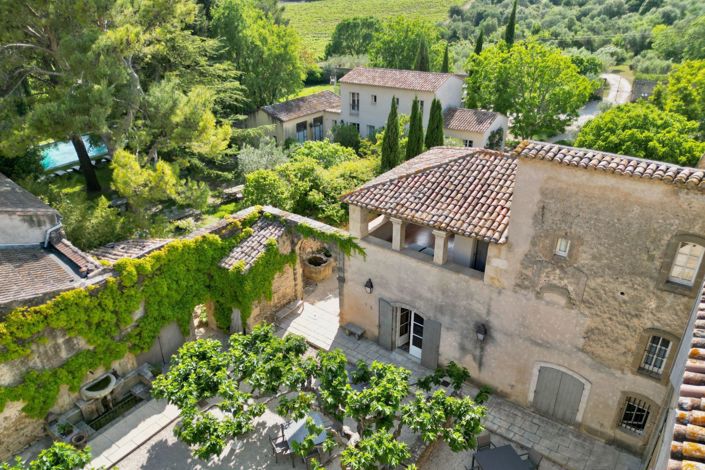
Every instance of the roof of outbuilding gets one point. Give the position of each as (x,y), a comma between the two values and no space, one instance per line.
(134,248)
(394,78)
(469,120)
(17,200)
(466,191)
(612,163)
(253,246)
(687,444)
(33,271)
(298,107)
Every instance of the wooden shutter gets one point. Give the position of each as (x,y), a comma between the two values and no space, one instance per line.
(386,324)
(547,386)
(431,343)
(568,401)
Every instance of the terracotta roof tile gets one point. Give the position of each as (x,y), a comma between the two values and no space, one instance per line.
(465,191)
(612,163)
(84,262)
(393,78)
(688,442)
(470,120)
(253,246)
(296,108)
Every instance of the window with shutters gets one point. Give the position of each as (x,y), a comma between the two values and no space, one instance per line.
(354,102)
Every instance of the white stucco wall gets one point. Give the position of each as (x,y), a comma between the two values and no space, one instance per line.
(287,129)
(479,139)
(25,229)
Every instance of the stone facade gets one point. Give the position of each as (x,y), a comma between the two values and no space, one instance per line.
(587,315)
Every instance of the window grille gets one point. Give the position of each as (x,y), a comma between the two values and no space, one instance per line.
(635,415)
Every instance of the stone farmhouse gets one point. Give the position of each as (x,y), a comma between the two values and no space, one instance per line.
(365,100)
(561,277)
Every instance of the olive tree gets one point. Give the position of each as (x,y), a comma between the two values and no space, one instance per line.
(261,371)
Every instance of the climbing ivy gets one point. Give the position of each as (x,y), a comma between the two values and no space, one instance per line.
(347,244)
(168,283)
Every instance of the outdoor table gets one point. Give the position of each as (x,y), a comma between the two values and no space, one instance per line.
(500,458)
(297,432)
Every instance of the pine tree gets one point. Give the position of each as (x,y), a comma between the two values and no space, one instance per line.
(434,133)
(479,42)
(445,67)
(422,61)
(390,142)
(414,146)
(511,26)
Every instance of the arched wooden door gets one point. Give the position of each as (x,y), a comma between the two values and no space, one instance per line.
(558,394)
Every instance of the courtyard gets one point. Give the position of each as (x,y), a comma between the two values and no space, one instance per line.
(144,439)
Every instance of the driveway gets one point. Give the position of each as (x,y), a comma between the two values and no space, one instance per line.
(620,90)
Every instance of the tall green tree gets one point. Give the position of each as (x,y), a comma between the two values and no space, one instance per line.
(396,44)
(414,145)
(259,367)
(479,42)
(445,66)
(353,36)
(434,132)
(510,32)
(59,456)
(267,54)
(390,142)
(422,62)
(537,86)
(683,92)
(643,130)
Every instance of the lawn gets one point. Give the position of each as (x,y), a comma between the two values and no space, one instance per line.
(316,20)
(310,90)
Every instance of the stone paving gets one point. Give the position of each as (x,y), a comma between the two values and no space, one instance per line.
(560,444)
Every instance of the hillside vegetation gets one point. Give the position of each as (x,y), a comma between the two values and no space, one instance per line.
(315,21)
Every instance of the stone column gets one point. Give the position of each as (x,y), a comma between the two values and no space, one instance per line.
(398,233)
(440,250)
(358,221)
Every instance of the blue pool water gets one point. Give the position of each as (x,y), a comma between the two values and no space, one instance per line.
(61,154)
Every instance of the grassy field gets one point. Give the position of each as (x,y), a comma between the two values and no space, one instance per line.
(316,20)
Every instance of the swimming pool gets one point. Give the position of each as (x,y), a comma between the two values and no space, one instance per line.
(59,154)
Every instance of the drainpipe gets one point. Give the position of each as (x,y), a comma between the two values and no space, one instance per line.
(49,231)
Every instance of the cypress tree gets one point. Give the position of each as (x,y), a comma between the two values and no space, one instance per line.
(479,42)
(390,142)
(422,61)
(434,133)
(414,146)
(511,26)
(445,67)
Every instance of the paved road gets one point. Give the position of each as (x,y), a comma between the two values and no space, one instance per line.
(620,90)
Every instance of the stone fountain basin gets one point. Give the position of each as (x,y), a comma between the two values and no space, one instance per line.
(99,387)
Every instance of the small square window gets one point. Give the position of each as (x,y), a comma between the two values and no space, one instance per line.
(373,99)
(468,143)
(655,355)
(356,125)
(686,264)
(370,130)
(635,415)
(563,247)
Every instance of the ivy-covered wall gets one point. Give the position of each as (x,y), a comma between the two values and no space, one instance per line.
(169,282)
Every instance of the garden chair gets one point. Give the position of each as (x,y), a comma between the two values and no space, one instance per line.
(281,448)
(484,441)
(533,457)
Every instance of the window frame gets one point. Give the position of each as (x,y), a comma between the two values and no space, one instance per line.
(650,368)
(642,347)
(305,131)
(373,99)
(558,251)
(681,280)
(468,143)
(668,257)
(371,130)
(354,102)
(638,403)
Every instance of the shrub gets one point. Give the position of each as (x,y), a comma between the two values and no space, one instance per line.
(264,187)
(266,156)
(325,152)
(347,136)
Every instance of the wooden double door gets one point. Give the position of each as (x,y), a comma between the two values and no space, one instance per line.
(558,394)
(405,328)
